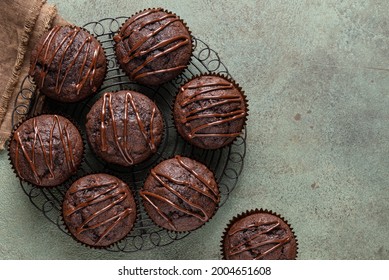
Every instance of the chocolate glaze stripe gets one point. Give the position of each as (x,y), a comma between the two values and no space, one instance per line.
(212,84)
(195,98)
(163,44)
(58,85)
(145,195)
(149,140)
(150,73)
(48,159)
(118,217)
(69,39)
(103,133)
(124,34)
(208,184)
(103,129)
(78,84)
(94,62)
(108,194)
(137,17)
(215,104)
(238,115)
(110,187)
(91,71)
(31,159)
(220,115)
(255,224)
(254,235)
(158,176)
(280,242)
(150,59)
(236,249)
(68,150)
(227,135)
(198,91)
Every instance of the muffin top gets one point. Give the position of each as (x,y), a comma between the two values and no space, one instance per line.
(210,111)
(124,127)
(46,150)
(99,210)
(180,194)
(68,64)
(153,46)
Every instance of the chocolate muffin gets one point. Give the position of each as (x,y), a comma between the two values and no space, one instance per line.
(124,127)
(46,150)
(99,210)
(259,234)
(153,46)
(180,194)
(210,111)
(68,64)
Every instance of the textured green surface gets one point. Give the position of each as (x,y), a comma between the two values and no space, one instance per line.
(316,74)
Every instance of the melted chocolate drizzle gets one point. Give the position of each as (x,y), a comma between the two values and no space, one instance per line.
(66,43)
(111,193)
(122,140)
(39,144)
(209,192)
(136,51)
(200,94)
(250,243)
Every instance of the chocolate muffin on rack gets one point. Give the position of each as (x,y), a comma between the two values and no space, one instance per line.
(210,111)
(46,150)
(259,235)
(68,64)
(99,210)
(153,46)
(124,127)
(180,194)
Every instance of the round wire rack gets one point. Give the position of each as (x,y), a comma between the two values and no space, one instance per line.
(226,163)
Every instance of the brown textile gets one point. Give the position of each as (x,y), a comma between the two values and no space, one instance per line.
(21,24)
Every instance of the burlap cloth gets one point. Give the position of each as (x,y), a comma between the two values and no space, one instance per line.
(21,24)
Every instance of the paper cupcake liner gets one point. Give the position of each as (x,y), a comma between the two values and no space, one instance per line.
(77,167)
(98,86)
(67,230)
(235,84)
(246,214)
(116,165)
(162,10)
(171,230)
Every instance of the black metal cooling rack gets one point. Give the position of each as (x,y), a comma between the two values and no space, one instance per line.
(226,163)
